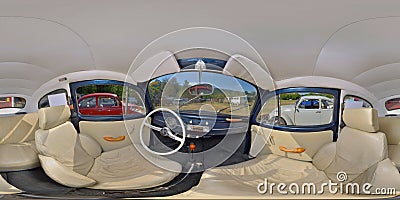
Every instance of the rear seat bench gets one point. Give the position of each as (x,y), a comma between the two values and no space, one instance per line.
(391,127)
(17,146)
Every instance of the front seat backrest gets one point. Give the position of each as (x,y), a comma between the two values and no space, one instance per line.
(58,139)
(360,145)
(391,127)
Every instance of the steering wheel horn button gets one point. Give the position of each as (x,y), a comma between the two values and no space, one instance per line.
(165,131)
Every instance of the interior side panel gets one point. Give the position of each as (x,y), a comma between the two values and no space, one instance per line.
(310,141)
(18,129)
(110,134)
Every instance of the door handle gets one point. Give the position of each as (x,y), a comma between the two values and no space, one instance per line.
(114,139)
(318,112)
(296,150)
(233,120)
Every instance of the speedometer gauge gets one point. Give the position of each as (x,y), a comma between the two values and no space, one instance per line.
(171,122)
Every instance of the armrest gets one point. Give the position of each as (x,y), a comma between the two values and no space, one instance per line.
(325,155)
(63,175)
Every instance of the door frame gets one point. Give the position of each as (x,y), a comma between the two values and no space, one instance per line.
(334,125)
(74,85)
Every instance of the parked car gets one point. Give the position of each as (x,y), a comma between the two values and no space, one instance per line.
(106,104)
(308,110)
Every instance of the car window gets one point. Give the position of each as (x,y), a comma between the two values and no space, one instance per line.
(326,104)
(392,104)
(11,104)
(351,101)
(89,102)
(112,100)
(44,101)
(108,102)
(297,109)
(309,104)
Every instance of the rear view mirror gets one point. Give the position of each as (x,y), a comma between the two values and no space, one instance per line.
(201,89)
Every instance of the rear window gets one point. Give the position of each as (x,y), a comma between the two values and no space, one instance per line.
(11,105)
(392,104)
(12,102)
(351,101)
(44,101)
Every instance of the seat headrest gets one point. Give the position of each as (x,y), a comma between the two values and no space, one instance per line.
(53,116)
(364,119)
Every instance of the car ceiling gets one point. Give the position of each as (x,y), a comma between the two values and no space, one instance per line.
(356,40)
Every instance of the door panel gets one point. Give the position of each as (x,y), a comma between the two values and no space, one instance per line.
(310,141)
(109,134)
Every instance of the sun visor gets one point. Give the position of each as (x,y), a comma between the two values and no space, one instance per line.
(246,69)
(157,65)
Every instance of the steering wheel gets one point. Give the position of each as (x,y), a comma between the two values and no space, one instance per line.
(165,131)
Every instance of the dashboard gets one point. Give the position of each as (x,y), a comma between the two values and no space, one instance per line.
(202,126)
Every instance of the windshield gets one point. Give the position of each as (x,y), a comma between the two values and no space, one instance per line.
(230,95)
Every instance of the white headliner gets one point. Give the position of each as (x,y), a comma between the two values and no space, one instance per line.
(356,41)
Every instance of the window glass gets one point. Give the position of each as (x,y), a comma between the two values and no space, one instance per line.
(228,96)
(297,109)
(44,101)
(89,102)
(309,104)
(10,105)
(326,104)
(12,102)
(108,100)
(351,101)
(269,107)
(392,104)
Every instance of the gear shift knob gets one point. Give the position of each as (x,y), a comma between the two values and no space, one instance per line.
(192,146)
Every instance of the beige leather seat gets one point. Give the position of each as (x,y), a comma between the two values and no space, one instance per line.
(391,127)
(361,152)
(17,146)
(77,160)
(359,146)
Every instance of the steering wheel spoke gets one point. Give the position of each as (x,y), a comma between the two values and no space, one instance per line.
(174,137)
(152,127)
